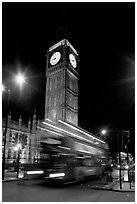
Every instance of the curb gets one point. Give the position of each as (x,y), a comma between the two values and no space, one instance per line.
(111,189)
(14,179)
(19,179)
(10,179)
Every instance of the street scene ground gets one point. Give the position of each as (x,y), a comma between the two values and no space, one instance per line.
(93,190)
(39,191)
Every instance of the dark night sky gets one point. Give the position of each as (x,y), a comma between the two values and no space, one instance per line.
(104,36)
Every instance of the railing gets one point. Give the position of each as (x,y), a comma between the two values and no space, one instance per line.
(132,178)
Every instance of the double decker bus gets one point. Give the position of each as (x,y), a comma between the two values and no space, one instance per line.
(68,153)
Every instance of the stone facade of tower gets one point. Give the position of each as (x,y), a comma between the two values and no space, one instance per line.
(62,83)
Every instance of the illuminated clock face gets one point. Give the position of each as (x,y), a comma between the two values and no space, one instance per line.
(73,60)
(55,58)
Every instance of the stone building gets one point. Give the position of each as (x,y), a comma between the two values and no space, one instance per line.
(25,135)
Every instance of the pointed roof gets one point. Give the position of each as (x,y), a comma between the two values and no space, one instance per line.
(63,42)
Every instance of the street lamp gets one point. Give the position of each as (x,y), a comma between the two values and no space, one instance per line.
(102,132)
(20,79)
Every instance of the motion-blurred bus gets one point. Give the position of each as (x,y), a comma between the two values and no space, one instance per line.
(68,153)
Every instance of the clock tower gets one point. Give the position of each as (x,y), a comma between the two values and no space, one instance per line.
(62,83)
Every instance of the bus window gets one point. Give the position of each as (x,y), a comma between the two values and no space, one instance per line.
(80,161)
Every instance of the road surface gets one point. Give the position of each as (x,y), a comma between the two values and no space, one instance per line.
(38,191)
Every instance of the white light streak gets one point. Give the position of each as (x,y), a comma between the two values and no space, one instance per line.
(35,172)
(64,147)
(56,175)
(51,131)
(80,131)
(84,151)
(74,135)
(49,119)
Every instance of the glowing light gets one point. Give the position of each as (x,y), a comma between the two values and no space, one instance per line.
(3,88)
(17,147)
(126,167)
(20,79)
(103,132)
(74,135)
(35,172)
(56,175)
(112,165)
(21,174)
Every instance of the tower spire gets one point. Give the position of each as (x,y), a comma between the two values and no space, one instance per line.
(34,120)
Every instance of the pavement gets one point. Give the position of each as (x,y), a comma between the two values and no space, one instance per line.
(113,186)
(100,184)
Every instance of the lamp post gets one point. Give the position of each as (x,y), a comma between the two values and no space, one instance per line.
(18,148)
(5,134)
(20,79)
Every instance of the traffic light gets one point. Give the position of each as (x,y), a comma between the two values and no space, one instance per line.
(126,136)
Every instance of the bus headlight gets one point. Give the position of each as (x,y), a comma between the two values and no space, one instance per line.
(56,175)
(35,172)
